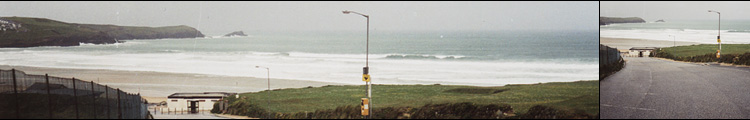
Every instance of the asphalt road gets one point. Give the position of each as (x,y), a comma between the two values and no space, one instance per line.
(657,88)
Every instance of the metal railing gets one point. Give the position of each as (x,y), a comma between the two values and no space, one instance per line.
(24,96)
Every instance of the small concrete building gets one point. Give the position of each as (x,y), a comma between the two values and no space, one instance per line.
(194,102)
(641,51)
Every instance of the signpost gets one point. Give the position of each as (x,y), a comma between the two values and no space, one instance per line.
(366,77)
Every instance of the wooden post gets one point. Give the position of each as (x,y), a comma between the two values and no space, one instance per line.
(119,107)
(106,95)
(93,98)
(15,92)
(75,96)
(49,97)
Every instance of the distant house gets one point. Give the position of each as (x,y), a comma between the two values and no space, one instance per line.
(195,101)
(641,51)
(58,89)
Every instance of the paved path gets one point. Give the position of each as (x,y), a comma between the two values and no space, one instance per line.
(184,115)
(657,88)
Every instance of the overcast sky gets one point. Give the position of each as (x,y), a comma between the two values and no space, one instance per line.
(676,10)
(224,17)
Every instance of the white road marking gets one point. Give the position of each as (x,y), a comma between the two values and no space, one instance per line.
(647,109)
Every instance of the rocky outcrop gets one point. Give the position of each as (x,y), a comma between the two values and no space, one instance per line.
(34,32)
(235,33)
(612,20)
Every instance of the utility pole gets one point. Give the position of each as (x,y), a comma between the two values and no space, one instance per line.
(365,71)
(718,37)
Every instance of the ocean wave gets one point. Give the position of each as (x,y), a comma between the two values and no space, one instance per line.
(270,53)
(338,68)
(685,35)
(411,56)
(172,51)
(740,31)
(85,44)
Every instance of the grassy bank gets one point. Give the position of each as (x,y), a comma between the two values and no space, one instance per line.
(695,50)
(731,53)
(580,96)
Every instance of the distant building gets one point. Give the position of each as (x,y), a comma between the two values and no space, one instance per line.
(194,102)
(641,51)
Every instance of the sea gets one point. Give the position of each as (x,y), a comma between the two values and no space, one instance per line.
(699,31)
(477,58)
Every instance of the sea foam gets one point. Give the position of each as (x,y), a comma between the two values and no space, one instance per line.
(685,35)
(337,68)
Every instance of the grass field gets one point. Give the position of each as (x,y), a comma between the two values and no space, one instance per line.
(581,95)
(695,50)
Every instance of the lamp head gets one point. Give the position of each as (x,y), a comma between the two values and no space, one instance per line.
(257,66)
(346,11)
(717,12)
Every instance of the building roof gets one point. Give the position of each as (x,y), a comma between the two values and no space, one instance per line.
(201,95)
(644,48)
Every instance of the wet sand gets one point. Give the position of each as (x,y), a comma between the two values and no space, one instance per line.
(156,86)
(626,44)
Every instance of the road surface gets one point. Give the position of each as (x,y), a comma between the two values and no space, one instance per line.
(657,88)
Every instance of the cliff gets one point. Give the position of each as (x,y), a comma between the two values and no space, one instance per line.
(32,32)
(611,20)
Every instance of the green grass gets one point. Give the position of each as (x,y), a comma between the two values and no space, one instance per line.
(582,95)
(695,50)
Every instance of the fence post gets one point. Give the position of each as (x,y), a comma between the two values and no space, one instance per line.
(119,107)
(75,96)
(93,98)
(106,95)
(127,106)
(15,92)
(49,97)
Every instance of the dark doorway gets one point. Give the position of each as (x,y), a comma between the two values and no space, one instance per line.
(640,54)
(193,106)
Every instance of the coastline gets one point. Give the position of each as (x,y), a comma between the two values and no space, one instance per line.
(627,43)
(156,86)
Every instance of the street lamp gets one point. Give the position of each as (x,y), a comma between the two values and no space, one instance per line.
(673,40)
(367,57)
(718,38)
(268,101)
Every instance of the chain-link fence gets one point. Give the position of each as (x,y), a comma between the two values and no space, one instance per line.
(24,96)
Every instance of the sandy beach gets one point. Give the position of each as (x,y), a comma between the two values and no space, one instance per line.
(156,86)
(625,43)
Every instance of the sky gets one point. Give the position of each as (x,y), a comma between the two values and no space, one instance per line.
(218,18)
(677,10)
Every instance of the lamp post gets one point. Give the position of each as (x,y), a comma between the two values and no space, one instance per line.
(367,56)
(673,40)
(268,101)
(718,37)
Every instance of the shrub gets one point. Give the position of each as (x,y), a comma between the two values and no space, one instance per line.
(545,112)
